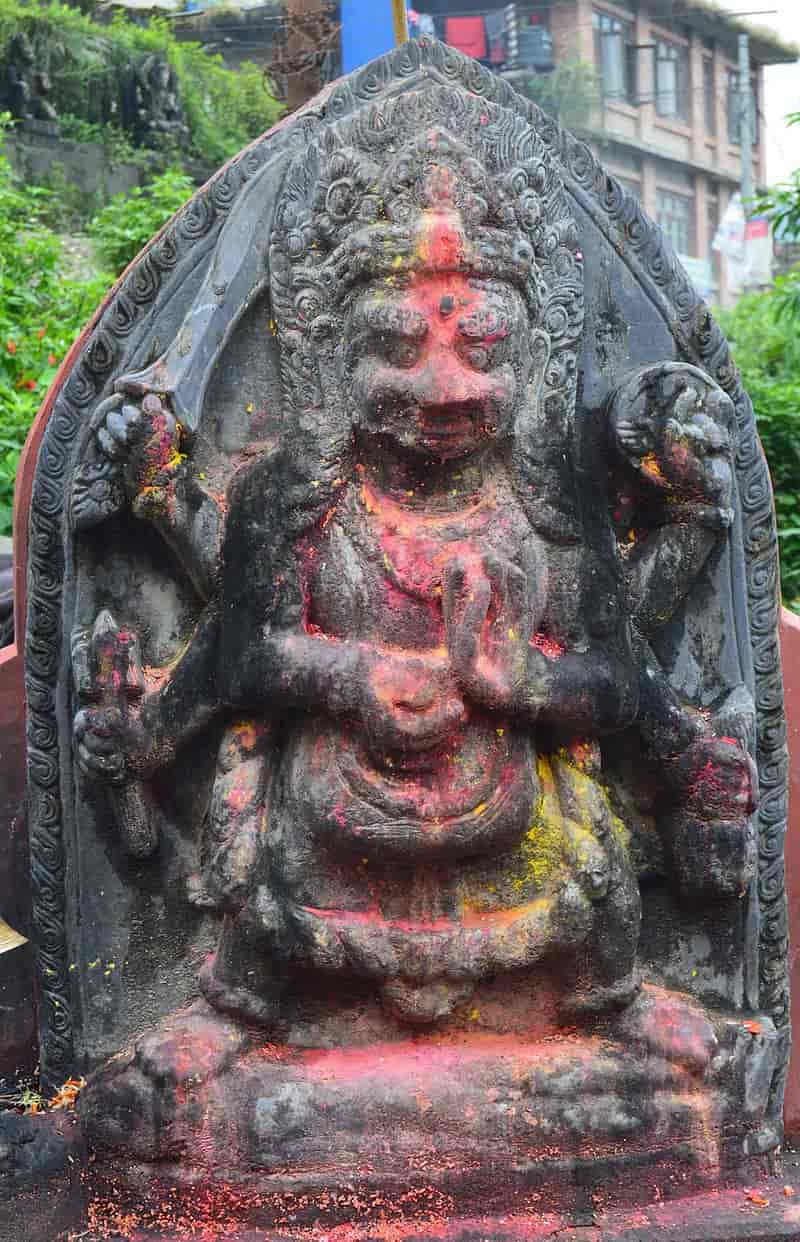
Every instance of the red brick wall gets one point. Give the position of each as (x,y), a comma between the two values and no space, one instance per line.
(790,644)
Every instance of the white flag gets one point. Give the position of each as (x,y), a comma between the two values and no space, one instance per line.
(729,239)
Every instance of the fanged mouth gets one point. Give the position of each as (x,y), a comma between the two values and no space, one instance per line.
(440,427)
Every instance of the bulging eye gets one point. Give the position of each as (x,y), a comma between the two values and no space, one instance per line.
(486,355)
(478,357)
(400,353)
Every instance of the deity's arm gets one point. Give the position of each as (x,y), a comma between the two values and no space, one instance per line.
(401,700)
(592,690)
(580,666)
(274,658)
(187,698)
(662,563)
(190,520)
(289,670)
(670,442)
(142,451)
(271,658)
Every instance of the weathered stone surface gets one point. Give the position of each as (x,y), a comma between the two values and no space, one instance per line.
(413,819)
(790,651)
(17,1019)
(42,1161)
(766,1211)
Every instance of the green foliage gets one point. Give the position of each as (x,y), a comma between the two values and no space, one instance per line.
(225,110)
(787,293)
(89,64)
(116,143)
(128,222)
(782,204)
(568,92)
(41,312)
(766,348)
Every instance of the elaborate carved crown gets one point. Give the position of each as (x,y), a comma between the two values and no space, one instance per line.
(352,207)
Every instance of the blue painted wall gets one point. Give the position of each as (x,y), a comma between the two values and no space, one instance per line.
(367,31)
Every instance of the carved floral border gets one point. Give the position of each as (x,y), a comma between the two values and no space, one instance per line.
(699,340)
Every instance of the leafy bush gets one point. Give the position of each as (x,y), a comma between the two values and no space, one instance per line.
(568,92)
(116,142)
(41,313)
(89,63)
(766,348)
(129,221)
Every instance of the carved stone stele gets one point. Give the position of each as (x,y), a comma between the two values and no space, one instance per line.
(406,752)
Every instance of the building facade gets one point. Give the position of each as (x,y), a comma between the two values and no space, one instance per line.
(668,121)
(668,103)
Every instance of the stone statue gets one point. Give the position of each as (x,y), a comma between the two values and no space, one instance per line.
(27,84)
(157,113)
(434,729)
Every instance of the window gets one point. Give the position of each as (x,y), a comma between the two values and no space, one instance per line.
(734,109)
(615,56)
(709,97)
(674,216)
(672,80)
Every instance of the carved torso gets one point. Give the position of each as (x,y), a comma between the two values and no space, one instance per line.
(377,576)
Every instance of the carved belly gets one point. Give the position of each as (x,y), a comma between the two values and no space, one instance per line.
(476,796)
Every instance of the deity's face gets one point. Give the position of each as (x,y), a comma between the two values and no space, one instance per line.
(437,362)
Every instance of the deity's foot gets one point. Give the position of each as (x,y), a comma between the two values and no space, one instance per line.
(192,1045)
(136,1101)
(669,1025)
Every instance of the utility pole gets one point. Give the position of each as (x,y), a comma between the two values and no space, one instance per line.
(745,122)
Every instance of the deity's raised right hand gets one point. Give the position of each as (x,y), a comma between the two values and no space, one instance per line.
(143,438)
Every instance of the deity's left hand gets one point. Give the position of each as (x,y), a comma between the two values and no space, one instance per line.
(710,832)
(717,779)
(674,425)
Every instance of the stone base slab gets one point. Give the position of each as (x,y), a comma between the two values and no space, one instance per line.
(62,1195)
(291,1138)
(761,1213)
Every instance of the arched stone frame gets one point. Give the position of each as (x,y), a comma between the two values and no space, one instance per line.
(162,282)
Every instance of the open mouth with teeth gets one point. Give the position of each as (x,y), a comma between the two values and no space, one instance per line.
(441,425)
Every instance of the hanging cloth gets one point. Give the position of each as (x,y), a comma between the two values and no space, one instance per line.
(496,36)
(426,25)
(468,35)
